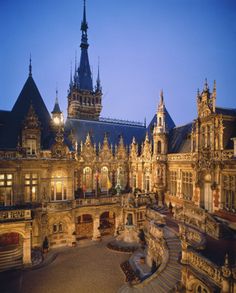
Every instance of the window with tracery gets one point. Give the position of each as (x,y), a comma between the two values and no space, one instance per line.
(187,185)
(6,189)
(173,182)
(87,179)
(59,187)
(31,187)
(57,228)
(147,182)
(105,182)
(31,145)
(229,192)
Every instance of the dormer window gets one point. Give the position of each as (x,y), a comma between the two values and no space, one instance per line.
(31,146)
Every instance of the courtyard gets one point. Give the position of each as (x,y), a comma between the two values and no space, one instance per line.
(89,268)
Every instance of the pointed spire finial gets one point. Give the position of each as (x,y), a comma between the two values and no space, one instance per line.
(56,95)
(98,85)
(206,85)
(161,96)
(214,86)
(30,67)
(84,25)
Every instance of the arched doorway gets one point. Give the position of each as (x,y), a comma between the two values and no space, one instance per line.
(107,223)
(84,227)
(11,250)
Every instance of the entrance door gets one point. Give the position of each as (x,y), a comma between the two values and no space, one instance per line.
(208,196)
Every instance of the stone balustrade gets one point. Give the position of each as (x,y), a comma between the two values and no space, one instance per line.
(97,201)
(180,157)
(203,265)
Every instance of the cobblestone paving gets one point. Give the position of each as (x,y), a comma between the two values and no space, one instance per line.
(91,269)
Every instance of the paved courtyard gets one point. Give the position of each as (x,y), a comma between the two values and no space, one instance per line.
(87,269)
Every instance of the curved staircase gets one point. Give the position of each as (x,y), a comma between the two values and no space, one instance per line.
(169,277)
(11,258)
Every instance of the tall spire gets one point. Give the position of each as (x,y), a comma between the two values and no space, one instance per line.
(98,82)
(56,108)
(161,97)
(84,71)
(30,67)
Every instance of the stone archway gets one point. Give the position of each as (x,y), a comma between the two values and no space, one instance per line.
(84,229)
(11,250)
(107,223)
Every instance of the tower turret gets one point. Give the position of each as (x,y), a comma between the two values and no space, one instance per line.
(160,130)
(57,116)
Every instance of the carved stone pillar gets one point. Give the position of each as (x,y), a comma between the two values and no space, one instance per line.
(27,250)
(226,275)
(96,231)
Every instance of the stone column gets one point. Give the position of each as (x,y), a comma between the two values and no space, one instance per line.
(96,231)
(27,250)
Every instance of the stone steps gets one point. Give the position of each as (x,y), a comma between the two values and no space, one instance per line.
(167,279)
(11,259)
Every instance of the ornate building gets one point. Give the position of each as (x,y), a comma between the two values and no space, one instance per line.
(65,181)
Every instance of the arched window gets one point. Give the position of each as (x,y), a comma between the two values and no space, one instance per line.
(147,183)
(121,177)
(159,121)
(104,181)
(159,147)
(59,186)
(201,289)
(87,179)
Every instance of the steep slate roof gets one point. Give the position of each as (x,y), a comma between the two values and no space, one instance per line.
(29,95)
(226,111)
(4,116)
(97,130)
(179,139)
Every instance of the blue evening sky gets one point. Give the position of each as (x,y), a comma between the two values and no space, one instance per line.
(144,46)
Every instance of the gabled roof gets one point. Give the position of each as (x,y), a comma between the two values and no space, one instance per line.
(29,96)
(179,139)
(98,129)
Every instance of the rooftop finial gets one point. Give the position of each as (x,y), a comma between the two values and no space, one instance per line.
(56,95)
(206,85)
(214,86)
(161,97)
(84,25)
(71,82)
(30,67)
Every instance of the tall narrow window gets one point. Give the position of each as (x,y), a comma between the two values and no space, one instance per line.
(147,183)
(6,189)
(31,187)
(173,182)
(229,192)
(187,185)
(31,146)
(87,179)
(159,147)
